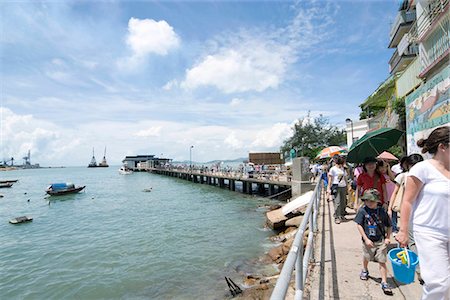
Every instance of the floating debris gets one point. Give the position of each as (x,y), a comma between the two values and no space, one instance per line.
(234,288)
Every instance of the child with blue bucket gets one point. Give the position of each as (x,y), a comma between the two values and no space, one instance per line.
(374,226)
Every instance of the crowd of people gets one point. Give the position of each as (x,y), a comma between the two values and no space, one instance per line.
(415,190)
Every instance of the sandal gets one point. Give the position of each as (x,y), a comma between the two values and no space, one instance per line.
(364,275)
(386,289)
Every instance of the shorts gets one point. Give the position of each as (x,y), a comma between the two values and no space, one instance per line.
(378,253)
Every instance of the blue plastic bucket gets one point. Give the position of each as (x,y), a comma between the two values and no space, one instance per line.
(403,272)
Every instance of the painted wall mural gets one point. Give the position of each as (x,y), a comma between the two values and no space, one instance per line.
(427,107)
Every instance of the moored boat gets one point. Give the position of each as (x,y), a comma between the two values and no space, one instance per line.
(56,189)
(9,181)
(22,219)
(6,185)
(125,171)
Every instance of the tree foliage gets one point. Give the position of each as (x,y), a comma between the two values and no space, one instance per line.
(312,135)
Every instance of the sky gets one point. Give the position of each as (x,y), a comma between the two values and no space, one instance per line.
(157,77)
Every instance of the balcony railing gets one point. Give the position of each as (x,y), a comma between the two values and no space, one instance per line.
(399,62)
(428,18)
(436,46)
(401,25)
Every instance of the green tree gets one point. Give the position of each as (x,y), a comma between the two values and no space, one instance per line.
(312,135)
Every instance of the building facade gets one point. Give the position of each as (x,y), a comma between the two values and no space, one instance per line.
(420,69)
(144,162)
(427,106)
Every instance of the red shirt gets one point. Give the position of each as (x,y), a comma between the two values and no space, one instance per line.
(366,182)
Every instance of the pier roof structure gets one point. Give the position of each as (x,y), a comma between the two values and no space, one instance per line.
(138,158)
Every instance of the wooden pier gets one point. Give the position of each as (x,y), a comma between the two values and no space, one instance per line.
(244,184)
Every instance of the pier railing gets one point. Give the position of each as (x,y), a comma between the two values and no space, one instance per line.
(260,175)
(299,257)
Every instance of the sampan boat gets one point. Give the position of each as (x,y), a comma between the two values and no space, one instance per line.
(56,189)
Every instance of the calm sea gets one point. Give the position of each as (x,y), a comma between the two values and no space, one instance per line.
(116,241)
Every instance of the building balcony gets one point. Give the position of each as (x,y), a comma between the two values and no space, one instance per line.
(400,61)
(430,16)
(435,47)
(401,26)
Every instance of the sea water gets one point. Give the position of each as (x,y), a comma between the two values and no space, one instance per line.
(116,241)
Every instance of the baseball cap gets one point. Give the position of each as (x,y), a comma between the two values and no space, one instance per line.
(371,195)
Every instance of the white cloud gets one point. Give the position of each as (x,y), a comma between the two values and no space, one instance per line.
(170,85)
(256,61)
(235,102)
(150,132)
(272,137)
(147,37)
(233,142)
(20,133)
(249,65)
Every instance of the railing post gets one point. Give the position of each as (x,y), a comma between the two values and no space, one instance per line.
(299,269)
(312,230)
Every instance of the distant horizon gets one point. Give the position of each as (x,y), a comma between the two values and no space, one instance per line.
(119,165)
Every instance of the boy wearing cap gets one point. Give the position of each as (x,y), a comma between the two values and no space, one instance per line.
(375,228)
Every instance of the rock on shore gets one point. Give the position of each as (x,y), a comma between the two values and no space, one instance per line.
(261,287)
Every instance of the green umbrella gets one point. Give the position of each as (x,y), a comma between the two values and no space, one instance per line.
(373,143)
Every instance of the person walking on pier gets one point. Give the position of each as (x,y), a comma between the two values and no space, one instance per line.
(337,177)
(369,179)
(426,202)
(375,228)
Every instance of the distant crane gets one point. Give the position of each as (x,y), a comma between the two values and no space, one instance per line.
(27,159)
(5,162)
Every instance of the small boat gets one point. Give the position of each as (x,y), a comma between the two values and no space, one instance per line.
(57,189)
(22,219)
(9,181)
(125,171)
(6,185)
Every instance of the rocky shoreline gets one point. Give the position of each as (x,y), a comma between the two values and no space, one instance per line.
(260,286)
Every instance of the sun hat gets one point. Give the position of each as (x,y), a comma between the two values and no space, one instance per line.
(371,195)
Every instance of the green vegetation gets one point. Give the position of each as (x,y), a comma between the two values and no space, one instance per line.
(378,101)
(312,135)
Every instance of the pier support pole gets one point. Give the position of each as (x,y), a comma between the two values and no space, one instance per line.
(271,189)
(261,189)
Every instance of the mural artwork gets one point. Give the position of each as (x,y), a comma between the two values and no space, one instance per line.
(427,108)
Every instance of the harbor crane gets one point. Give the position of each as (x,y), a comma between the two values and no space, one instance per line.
(5,162)
(27,159)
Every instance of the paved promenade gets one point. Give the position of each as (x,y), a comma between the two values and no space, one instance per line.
(338,257)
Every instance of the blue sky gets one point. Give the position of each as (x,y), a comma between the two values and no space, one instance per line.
(155,77)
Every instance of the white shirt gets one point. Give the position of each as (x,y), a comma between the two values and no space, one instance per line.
(397,169)
(400,178)
(431,208)
(338,176)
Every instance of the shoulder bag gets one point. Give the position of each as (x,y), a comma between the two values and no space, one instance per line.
(399,196)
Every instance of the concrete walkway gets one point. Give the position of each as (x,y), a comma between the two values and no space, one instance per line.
(338,260)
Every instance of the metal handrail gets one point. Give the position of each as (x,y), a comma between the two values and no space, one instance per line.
(296,259)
